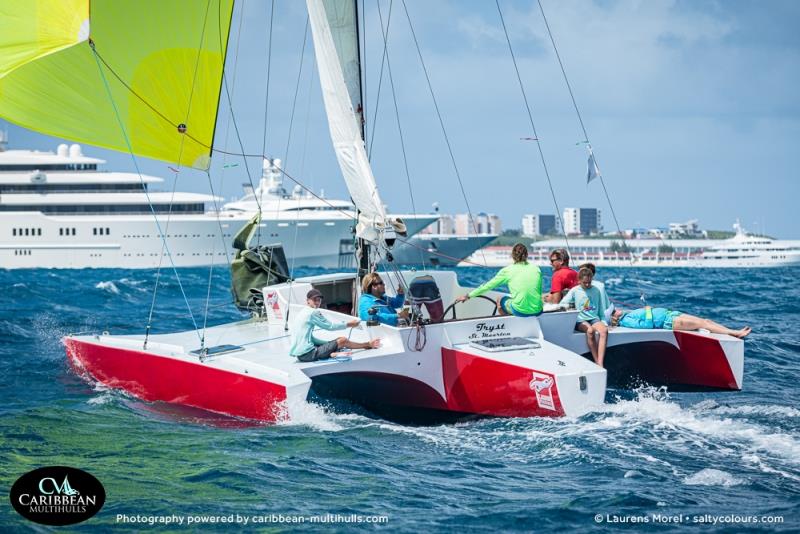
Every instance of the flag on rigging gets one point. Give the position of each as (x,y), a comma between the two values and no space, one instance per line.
(593,171)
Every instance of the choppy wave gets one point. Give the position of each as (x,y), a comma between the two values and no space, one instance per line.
(650,449)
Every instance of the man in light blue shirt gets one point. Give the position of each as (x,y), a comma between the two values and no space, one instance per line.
(306,347)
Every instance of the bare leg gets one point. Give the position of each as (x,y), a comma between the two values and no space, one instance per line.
(500,309)
(690,322)
(343,342)
(590,341)
(602,332)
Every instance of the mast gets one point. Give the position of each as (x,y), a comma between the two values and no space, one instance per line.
(359,52)
(362,245)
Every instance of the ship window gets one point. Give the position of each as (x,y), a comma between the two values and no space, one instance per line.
(73,231)
(14,231)
(26,231)
(38,231)
(108,231)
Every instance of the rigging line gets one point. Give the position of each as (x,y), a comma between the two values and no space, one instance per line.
(384,34)
(233,119)
(441,121)
(578,113)
(244,155)
(303,159)
(239,136)
(586,138)
(296,92)
(440,254)
(141,179)
(227,138)
(380,75)
(210,275)
(533,126)
(269,70)
(289,141)
(177,175)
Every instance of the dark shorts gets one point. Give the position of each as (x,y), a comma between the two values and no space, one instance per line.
(590,322)
(320,352)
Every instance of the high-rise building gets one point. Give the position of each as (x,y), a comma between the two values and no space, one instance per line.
(482,223)
(582,221)
(538,224)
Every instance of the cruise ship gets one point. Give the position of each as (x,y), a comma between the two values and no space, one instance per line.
(60,210)
(741,250)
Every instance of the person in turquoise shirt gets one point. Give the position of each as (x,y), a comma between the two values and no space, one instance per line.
(306,347)
(589,302)
(524,281)
(662,318)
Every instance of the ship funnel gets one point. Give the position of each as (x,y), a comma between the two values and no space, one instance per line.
(75,151)
(62,150)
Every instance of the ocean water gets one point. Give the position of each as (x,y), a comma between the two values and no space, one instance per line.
(651,459)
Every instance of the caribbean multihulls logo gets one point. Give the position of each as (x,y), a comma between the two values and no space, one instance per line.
(57,495)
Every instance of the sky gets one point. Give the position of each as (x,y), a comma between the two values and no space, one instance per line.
(691,107)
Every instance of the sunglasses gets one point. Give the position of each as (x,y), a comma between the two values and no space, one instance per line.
(381,283)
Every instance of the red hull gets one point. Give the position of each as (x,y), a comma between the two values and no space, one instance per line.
(485,386)
(159,378)
(698,362)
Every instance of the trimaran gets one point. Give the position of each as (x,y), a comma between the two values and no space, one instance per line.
(84,79)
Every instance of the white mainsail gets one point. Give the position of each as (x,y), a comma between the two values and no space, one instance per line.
(343,22)
(344,124)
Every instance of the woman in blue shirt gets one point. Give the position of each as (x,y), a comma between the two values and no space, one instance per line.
(373,295)
(590,302)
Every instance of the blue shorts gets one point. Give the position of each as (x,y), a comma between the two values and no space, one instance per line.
(505,303)
(669,318)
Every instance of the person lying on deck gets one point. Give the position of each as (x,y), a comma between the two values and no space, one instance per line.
(524,281)
(373,295)
(307,348)
(662,318)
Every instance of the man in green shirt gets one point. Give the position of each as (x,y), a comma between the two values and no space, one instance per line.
(524,281)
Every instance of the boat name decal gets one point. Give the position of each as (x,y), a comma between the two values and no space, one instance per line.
(487,331)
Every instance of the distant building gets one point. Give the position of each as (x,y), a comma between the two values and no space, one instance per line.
(462,224)
(538,224)
(582,221)
(482,223)
(688,229)
(445,225)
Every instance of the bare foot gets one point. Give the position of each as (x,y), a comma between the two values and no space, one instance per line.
(741,334)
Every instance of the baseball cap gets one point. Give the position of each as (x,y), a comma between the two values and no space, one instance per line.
(314,293)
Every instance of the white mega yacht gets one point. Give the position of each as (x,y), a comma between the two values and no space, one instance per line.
(59,210)
(741,250)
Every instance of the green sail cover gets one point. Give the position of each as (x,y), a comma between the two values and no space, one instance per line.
(162,61)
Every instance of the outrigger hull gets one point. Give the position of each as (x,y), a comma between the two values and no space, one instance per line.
(679,360)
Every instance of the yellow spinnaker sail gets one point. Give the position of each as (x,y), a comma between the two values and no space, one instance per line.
(157,70)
